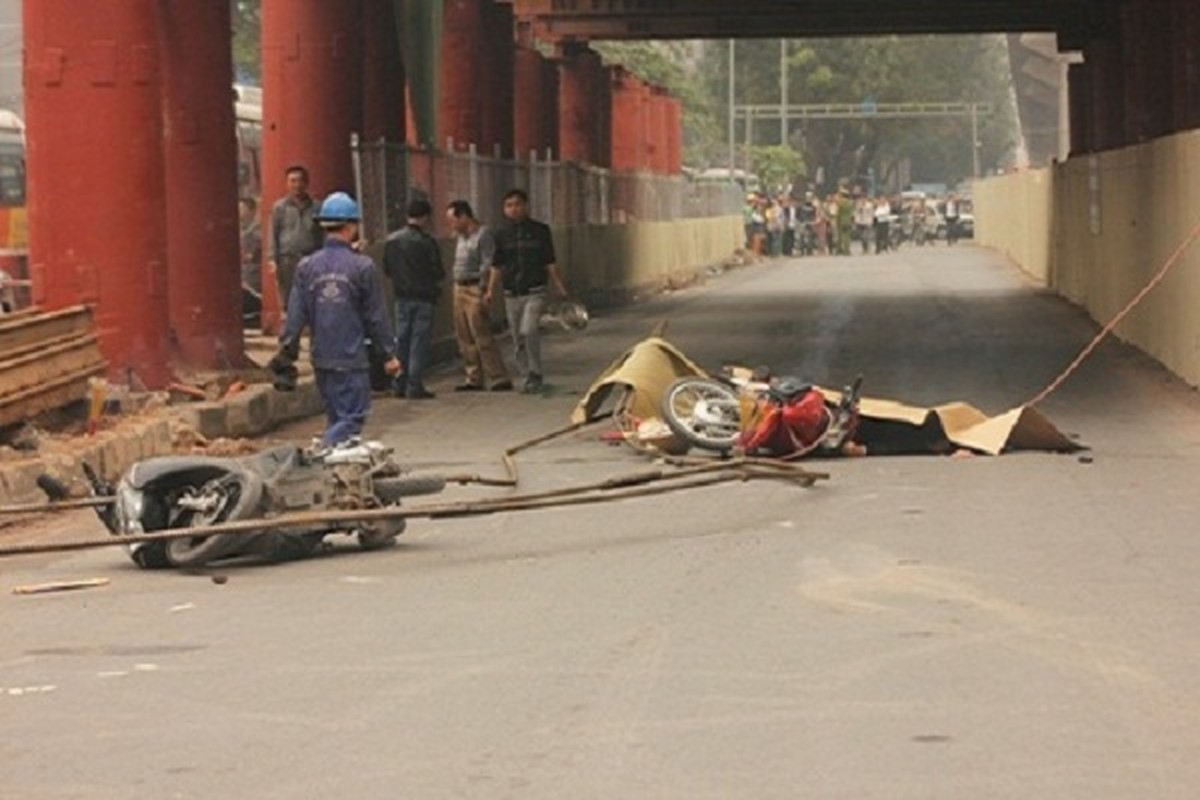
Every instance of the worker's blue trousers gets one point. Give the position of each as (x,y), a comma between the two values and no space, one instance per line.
(347,396)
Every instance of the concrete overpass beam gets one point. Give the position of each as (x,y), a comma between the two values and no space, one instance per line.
(203,278)
(97,225)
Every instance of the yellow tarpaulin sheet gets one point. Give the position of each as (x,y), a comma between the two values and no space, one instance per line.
(650,366)
(647,369)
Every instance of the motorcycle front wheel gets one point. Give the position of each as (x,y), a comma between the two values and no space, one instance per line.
(230,497)
(704,412)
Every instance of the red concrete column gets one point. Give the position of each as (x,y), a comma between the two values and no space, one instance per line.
(496,125)
(97,233)
(461,72)
(384,102)
(550,113)
(674,136)
(644,117)
(312,101)
(626,120)
(203,276)
(582,102)
(528,102)
(659,130)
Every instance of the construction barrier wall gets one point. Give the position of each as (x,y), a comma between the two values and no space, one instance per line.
(1097,228)
(608,264)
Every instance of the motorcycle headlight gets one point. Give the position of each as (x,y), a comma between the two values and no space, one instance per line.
(130,505)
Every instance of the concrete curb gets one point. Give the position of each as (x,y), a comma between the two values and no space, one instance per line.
(111,452)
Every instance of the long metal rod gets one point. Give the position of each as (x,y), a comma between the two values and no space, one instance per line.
(559,498)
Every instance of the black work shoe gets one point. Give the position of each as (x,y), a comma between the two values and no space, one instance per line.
(502,386)
(420,394)
(468,387)
(533,384)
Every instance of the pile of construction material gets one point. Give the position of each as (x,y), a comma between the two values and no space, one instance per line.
(46,361)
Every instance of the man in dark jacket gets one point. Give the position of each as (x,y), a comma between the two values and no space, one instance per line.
(526,268)
(413,261)
(337,293)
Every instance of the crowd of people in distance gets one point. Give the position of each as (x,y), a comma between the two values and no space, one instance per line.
(785,224)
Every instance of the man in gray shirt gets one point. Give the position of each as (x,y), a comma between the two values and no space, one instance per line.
(294,231)
(474,251)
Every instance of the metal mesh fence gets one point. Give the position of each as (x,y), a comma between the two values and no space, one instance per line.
(560,192)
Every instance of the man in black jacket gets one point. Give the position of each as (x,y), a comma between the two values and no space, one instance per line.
(413,262)
(525,268)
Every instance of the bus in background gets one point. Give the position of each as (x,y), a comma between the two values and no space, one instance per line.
(14,241)
(14,238)
(248,110)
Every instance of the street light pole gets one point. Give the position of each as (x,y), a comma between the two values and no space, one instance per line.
(975,140)
(732,133)
(783,93)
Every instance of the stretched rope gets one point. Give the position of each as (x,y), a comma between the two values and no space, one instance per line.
(1107,330)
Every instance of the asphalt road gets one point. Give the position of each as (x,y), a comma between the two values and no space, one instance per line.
(920,627)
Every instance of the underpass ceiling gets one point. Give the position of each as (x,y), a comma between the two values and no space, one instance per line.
(581,20)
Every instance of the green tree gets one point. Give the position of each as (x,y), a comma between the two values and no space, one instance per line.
(247,25)
(672,66)
(888,69)
(777,165)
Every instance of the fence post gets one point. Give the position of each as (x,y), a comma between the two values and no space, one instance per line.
(473,175)
(548,179)
(605,217)
(382,175)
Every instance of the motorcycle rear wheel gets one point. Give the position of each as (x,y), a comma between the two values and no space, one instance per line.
(240,494)
(704,412)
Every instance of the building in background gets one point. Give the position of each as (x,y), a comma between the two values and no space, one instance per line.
(10,56)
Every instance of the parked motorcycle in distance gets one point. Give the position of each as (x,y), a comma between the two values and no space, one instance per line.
(169,492)
(760,415)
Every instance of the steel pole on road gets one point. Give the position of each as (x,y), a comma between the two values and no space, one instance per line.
(975,140)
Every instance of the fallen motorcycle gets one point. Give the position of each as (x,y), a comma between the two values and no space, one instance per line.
(761,415)
(173,492)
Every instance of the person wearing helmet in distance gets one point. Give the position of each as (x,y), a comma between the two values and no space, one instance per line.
(338,295)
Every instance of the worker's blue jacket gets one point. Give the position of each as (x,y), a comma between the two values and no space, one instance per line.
(338,294)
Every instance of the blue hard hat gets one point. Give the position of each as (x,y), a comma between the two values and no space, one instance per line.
(339,207)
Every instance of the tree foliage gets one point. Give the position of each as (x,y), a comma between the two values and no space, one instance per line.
(247,25)
(891,69)
(777,165)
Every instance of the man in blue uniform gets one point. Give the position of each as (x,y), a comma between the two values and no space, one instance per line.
(338,295)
